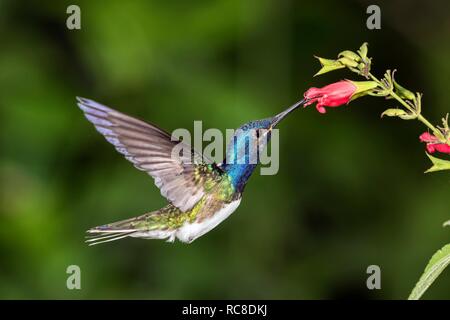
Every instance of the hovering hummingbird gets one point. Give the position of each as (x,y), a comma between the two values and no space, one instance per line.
(201,193)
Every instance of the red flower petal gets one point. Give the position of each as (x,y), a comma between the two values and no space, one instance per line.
(433,143)
(430,148)
(332,95)
(441,147)
(428,137)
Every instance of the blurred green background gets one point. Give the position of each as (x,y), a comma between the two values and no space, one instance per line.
(350,191)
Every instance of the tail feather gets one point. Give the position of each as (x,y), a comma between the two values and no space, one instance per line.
(111,236)
(151,225)
(111,232)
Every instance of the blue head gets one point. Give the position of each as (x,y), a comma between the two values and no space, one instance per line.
(244,149)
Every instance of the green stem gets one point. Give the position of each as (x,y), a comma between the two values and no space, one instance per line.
(421,118)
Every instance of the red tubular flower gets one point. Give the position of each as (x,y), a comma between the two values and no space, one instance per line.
(337,94)
(332,95)
(433,143)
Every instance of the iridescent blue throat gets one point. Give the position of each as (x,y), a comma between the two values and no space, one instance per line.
(239,164)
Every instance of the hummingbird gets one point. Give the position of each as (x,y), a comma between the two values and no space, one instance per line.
(200,193)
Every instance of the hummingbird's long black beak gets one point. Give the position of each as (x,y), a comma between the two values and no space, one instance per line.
(283,114)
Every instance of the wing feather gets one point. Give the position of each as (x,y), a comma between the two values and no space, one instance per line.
(149,148)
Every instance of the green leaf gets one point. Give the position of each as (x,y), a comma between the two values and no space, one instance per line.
(438,262)
(363,51)
(328,65)
(438,164)
(325,62)
(329,68)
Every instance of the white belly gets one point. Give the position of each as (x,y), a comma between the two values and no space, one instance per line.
(191,231)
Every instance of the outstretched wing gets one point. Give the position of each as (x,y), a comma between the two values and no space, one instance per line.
(149,148)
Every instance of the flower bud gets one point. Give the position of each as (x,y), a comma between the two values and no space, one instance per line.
(403,92)
(348,62)
(349,55)
(402,114)
(393,112)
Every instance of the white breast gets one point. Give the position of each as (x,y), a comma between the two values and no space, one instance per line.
(191,231)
